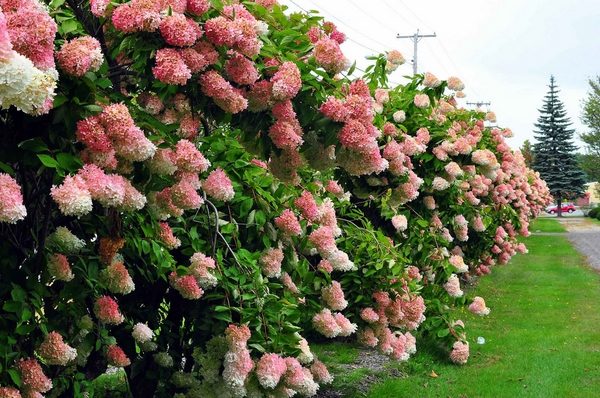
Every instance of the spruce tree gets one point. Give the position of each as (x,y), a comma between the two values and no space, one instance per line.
(554,152)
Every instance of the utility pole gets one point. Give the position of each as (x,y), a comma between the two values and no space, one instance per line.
(415,38)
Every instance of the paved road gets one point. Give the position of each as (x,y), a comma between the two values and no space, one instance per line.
(585,236)
(576,213)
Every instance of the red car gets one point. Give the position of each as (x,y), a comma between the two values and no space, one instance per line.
(565,208)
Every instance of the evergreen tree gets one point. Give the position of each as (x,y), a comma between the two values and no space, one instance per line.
(527,152)
(590,116)
(554,152)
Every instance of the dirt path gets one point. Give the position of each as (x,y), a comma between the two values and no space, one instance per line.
(585,236)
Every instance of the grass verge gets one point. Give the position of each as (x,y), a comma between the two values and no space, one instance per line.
(542,336)
(546,225)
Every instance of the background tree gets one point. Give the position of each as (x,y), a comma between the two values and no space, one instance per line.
(527,152)
(554,152)
(590,116)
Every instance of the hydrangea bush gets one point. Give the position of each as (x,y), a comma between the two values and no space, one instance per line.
(196,189)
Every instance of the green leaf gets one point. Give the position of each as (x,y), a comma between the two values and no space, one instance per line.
(68,26)
(34,145)
(68,162)
(48,161)
(423,223)
(443,332)
(16,378)
(6,168)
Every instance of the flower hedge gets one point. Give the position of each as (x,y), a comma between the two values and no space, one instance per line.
(193,190)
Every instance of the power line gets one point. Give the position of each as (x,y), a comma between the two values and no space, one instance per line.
(408,21)
(376,20)
(415,38)
(332,16)
(440,42)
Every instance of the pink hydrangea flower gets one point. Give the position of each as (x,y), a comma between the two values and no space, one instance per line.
(339,260)
(286,81)
(167,237)
(179,31)
(117,278)
(414,273)
(421,100)
(142,333)
(400,222)
(72,196)
(458,263)
(455,84)
(184,195)
(452,286)
(98,7)
(271,262)
(241,69)
(11,200)
(333,296)
(288,223)
(399,116)
(107,311)
(285,135)
(237,363)
(329,56)
(367,337)
(32,375)
(268,4)
(288,283)
(91,132)
(478,307)
(369,315)
(200,267)
(59,267)
(460,353)
(31,32)
(325,266)
(394,60)
(186,285)
(429,80)
(171,67)
(188,158)
(80,55)
(198,7)
(346,327)
(307,206)
(320,372)
(222,92)
(323,239)
(55,351)
(429,202)
(260,96)
(116,356)
(9,392)
(269,370)
(218,186)
(325,323)
(440,184)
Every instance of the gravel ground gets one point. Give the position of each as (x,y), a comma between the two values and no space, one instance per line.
(367,359)
(585,236)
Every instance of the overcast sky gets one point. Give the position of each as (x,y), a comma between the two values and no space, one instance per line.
(504,50)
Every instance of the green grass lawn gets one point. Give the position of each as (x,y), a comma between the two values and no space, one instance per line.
(542,336)
(546,225)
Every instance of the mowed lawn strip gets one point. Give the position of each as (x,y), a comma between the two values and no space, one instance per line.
(546,225)
(542,336)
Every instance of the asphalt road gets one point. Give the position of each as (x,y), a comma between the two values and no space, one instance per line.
(577,213)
